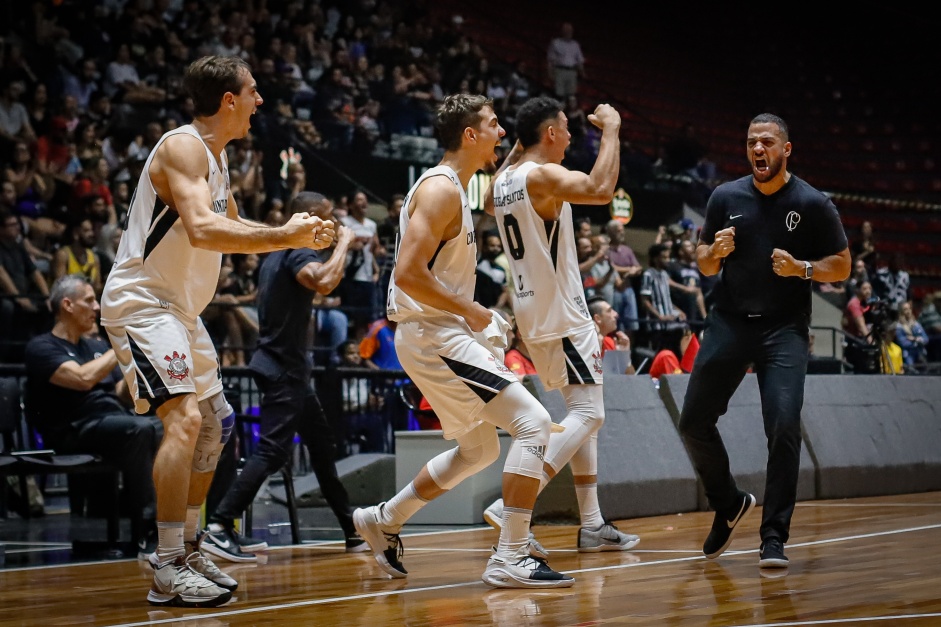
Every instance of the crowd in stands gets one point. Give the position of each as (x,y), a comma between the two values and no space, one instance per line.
(89,88)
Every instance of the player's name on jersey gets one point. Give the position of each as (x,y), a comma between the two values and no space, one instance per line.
(505,199)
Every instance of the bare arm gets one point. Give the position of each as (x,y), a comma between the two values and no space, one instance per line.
(179,172)
(833,268)
(435,218)
(510,159)
(551,184)
(324,277)
(84,377)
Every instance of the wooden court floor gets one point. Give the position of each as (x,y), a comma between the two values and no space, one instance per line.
(870,561)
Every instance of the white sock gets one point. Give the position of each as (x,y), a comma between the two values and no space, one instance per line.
(588,507)
(400,508)
(191,526)
(169,542)
(515,532)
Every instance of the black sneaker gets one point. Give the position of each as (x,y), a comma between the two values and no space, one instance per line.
(356,544)
(224,545)
(725,523)
(246,544)
(147,545)
(772,554)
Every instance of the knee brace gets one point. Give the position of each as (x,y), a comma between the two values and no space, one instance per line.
(474,451)
(577,444)
(218,422)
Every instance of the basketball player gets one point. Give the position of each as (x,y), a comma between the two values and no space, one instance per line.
(181,218)
(441,342)
(530,200)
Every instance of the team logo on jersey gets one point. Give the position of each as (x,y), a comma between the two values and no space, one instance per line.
(792,220)
(498,365)
(176,366)
(598,363)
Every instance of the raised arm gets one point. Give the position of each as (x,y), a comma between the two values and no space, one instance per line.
(179,173)
(551,184)
(323,278)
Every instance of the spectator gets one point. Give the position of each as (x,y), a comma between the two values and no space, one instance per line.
(388,232)
(363,408)
(892,283)
(685,284)
(40,113)
(77,400)
(606,324)
(22,314)
(78,257)
(14,118)
(864,246)
(517,357)
(491,289)
(662,315)
(854,316)
(911,337)
(625,263)
(84,84)
(588,256)
(859,275)
(930,320)
(565,62)
(360,283)
(378,347)
(892,361)
(94,183)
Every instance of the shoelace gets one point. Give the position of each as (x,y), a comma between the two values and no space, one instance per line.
(395,542)
(202,564)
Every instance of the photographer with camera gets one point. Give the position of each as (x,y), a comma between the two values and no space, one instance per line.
(854,315)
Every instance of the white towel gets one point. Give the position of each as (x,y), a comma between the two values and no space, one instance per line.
(494,337)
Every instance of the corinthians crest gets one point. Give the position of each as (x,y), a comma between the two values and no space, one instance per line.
(176,366)
(598,363)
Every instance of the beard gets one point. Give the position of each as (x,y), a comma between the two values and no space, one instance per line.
(774,168)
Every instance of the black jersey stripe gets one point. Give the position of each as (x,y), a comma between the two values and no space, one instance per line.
(552,234)
(578,370)
(484,384)
(435,256)
(161,226)
(155,387)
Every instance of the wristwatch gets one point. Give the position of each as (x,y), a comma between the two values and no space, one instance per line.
(808,270)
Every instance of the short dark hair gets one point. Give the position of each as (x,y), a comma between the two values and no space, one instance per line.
(307,202)
(770,118)
(209,78)
(456,113)
(595,305)
(656,250)
(531,116)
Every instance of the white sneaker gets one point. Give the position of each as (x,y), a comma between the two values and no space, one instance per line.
(494,517)
(386,547)
(202,565)
(522,571)
(494,514)
(605,538)
(178,584)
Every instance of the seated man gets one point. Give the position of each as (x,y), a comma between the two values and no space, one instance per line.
(73,390)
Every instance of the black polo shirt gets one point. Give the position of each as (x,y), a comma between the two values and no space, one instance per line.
(284,313)
(797,218)
(53,407)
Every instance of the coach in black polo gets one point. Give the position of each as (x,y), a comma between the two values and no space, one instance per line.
(281,367)
(770,234)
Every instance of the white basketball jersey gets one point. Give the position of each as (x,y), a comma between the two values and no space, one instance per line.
(454,265)
(548,297)
(155,265)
